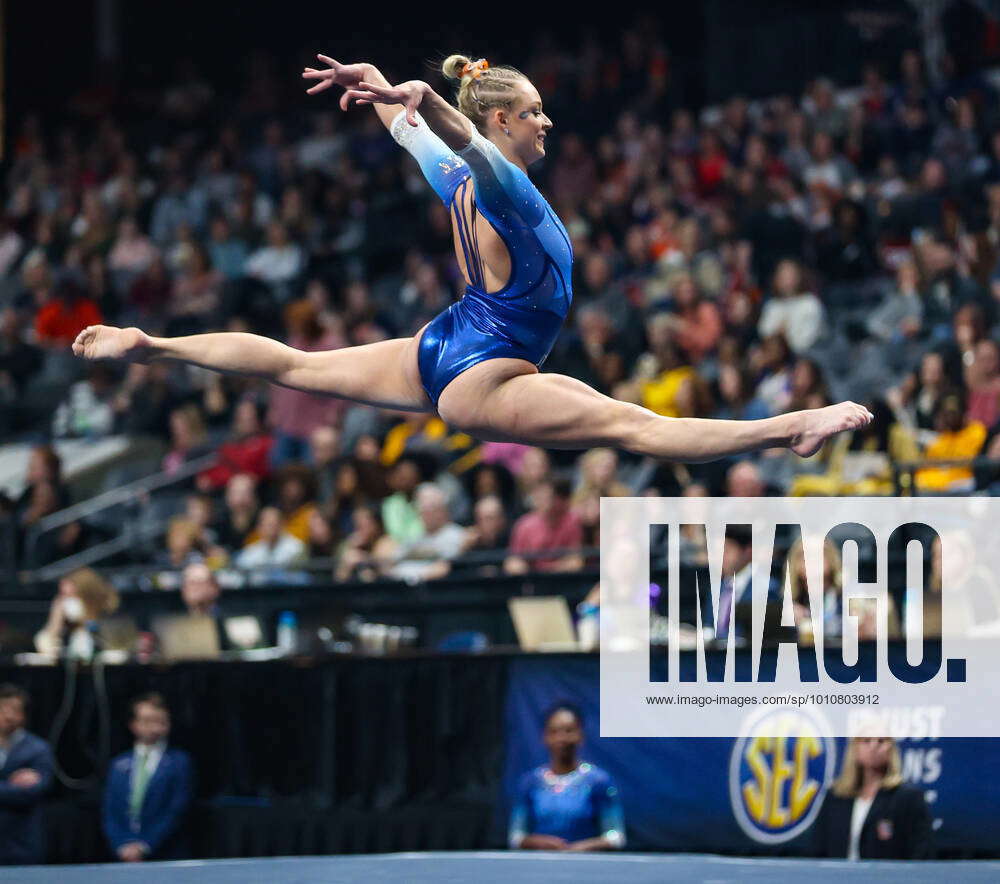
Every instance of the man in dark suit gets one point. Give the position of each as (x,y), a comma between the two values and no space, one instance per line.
(735,590)
(25,776)
(148,789)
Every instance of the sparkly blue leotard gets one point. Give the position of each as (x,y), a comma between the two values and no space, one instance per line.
(521,320)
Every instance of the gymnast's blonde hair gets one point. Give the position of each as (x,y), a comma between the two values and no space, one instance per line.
(482,87)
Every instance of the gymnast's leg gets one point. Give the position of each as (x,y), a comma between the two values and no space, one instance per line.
(384,373)
(506,399)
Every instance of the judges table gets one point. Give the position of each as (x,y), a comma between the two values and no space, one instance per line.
(414,752)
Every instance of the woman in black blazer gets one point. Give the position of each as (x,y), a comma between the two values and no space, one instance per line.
(869,813)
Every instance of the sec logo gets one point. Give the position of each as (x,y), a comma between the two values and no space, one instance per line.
(780,768)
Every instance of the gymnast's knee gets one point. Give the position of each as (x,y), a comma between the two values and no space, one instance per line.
(457,413)
(632,428)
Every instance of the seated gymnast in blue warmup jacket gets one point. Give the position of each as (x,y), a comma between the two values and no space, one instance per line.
(476,364)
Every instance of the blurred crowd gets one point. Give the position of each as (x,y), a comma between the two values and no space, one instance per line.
(735,261)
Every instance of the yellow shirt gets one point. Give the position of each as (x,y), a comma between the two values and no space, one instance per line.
(435,429)
(960,445)
(660,394)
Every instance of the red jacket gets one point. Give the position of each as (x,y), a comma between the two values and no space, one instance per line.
(246,456)
(60,321)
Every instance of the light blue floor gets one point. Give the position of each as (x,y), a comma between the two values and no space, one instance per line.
(504,868)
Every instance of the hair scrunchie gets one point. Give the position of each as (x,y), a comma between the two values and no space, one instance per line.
(475,69)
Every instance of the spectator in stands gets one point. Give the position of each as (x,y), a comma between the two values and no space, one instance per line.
(399,512)
(88,410)
(773,361)
(899,319)
(83,598)
(63,314)
(20,361)
(197,294)
(807,385)
(368,551)
(957,439)
(735,397)
(424,434)
(200,590)
(43,547)
(247,450)
(322,539)
(324,452)
(148,789)
(296,498)
(429,556)
(534,469)
(661,373)
(357,482)
(44,466)
(697,325)
(188,440)
(489,533)
(276,547)
(228,253)
(599,476)
(278,263)
(983,377)
(491,480)
(915,400)
(26,768)
(551,526)
(185,543)
(792,310)
(131,254)
(145,399)
(294,414)
(831,615)
(237,526)
(743,479)
(870,813)
(567,804)
(149,293)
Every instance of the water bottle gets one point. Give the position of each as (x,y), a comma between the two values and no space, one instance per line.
(288,632)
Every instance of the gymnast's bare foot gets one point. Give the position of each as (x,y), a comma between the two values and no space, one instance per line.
(109,342)
(817,425)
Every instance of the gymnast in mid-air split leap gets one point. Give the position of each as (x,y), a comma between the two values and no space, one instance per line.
(476,363)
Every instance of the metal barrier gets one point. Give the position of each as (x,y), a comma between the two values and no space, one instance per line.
(132,494)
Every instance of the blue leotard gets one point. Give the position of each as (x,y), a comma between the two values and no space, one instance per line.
(521,320)
(581,804)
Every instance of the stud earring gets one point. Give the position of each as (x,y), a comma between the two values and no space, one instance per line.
(507,132)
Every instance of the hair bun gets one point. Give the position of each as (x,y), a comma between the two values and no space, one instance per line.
(454,65)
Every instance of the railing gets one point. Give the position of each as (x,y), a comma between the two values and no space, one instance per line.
(311,572)
(140,531)
(131,494)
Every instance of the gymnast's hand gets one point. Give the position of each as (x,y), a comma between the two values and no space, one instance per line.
(408,94)
(346,75)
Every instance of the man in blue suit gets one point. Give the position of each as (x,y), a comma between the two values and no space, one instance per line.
(148,789)
(25,776)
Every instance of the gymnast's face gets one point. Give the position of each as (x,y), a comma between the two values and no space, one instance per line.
(562,734)
(527,123)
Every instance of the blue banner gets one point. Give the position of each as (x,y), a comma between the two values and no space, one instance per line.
(718,795)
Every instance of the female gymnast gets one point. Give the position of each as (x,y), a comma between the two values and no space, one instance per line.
(476,363)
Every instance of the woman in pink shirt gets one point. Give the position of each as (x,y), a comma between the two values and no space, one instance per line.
(293,414)
(698,325)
